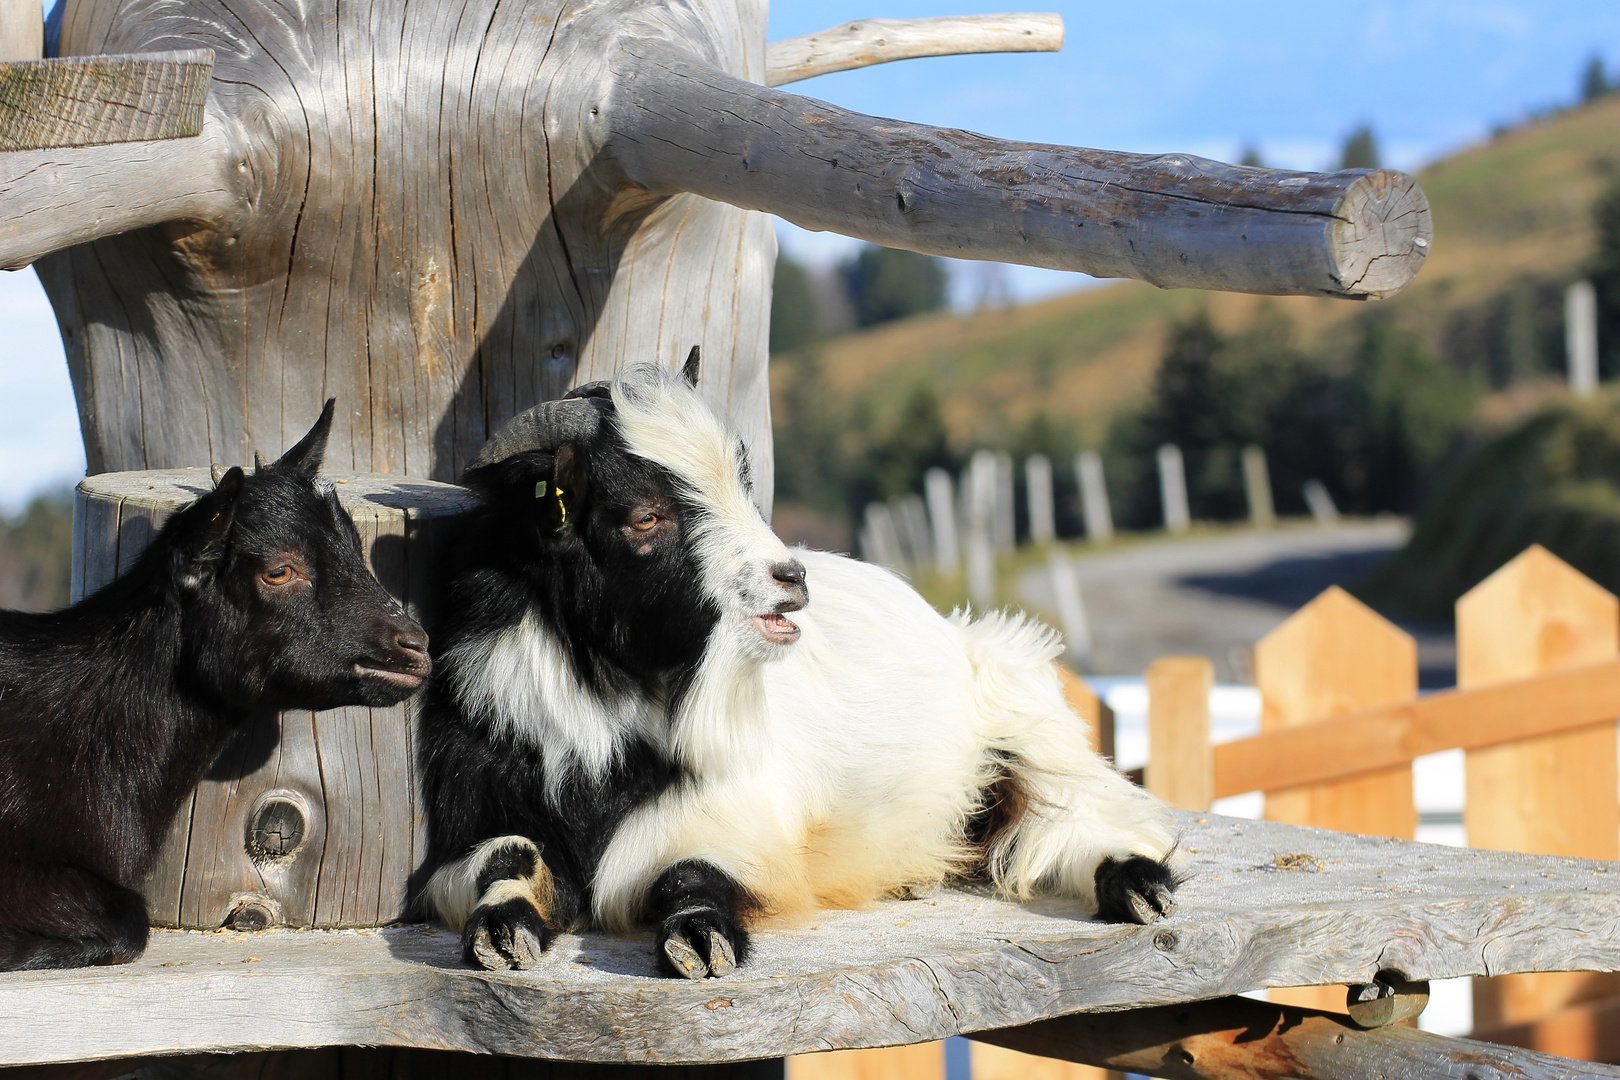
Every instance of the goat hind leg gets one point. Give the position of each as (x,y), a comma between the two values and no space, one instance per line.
(698,909)
(65,917)
(502,896)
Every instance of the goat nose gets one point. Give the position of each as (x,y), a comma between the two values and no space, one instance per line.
(411,641)
(789,573)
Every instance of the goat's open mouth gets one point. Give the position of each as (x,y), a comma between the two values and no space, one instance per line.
(405,680)
(777,627)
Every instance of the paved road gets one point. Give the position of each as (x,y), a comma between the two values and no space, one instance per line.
(1217,595)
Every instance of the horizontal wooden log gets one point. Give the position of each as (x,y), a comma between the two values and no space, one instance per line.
(1391,735)
(1264,905)
(1256,1040)
(93,100)
(881,41)
(677,124)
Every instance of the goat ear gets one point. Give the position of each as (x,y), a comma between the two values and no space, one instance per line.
(689,371)
(203,528)
(310,451)
(569,481)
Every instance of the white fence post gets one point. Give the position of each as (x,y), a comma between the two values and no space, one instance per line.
(981,549)
(1173,489)
(1257,486)
(911,519)
(1580,338)
(1042,513)
(1071,609)
(880,542)
(1006,523)
(942,516)
(1094,496)
(1320,502)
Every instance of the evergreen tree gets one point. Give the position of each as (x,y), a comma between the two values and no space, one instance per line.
(793,307)
(1360,149)
(1594,81)
(1251,157)
(887,283)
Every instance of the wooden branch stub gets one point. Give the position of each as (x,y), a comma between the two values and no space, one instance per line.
(1386,1000)
(881,41)
(93,100)
(1257,1040)
(1171,219)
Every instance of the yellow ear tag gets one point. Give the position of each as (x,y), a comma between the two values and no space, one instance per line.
(562,510)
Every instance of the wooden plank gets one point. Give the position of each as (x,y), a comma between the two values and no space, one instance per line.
(1331,657)
(1557,794)
(1092,709)
(1173,219)
(1179,766)
(1393,734)
(992,1062)
(94,100)
(1265,905)
(920,1061)
(1239,1037)
(882,41)
(1589,1031)
(22,30)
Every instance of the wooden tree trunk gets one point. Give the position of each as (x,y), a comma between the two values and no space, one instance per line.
(307,819)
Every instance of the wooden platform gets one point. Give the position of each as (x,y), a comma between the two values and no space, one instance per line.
(1264,905)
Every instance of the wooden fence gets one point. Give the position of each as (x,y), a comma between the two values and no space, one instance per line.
(1535,710)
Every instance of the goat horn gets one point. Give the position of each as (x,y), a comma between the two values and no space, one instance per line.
(545,427)
(260,462)
(216,470)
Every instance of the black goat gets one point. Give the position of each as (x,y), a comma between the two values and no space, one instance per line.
(255,596)
(626,724)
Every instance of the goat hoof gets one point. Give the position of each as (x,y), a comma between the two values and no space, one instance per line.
(684,959)
(722,961)
(1135,890)
(701,944)
(509,936)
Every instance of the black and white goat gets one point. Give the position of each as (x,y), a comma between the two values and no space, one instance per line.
(625,724)
(254,596)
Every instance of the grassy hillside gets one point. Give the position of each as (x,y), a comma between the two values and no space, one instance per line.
(1513,214)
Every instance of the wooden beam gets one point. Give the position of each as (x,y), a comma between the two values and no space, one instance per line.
(1589,1031)
(675,123)
(94,100)
(1391,735)
(880,41)
(22,30)
(1178,766)
(1240,1037)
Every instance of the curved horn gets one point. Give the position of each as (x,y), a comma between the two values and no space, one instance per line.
(544,427)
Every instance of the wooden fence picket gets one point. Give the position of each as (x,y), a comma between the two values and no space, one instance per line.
(1181,763)
(1334,656)
(1553,794)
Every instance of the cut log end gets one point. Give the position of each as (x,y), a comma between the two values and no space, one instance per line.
(1382,234)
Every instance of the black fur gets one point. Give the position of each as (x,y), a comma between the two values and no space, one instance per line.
(113,709)
(697,908)
(1135,890)
(628,606)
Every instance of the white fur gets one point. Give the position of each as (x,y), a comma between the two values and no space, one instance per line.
(522,679)
(845,766)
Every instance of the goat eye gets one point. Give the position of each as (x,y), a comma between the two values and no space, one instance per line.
(279,576)
(645,521)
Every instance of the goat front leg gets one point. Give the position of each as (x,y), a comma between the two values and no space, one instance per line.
(65,917)
(698,909)
(501,896)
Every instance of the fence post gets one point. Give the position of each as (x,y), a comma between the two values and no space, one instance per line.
(1006,522)
(1181,761)
(911,521)
(1257,486)
(1333,656)
(1080,697)
(942,516)
(981,553)
(1071,607)
(880,540)
(1094,497)
(1173,489)
(1580,338)
(1038,484)
(1555,795)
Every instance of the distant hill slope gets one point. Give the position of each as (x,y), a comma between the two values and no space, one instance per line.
(1514,209)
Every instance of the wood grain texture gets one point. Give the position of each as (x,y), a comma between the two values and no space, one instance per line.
(1558,794)
(1252,914)
(91,100)
(880,41)
(1175,220)
(1240,1038)
(350,772)
(1179,766)
(1333,657)
(22,30)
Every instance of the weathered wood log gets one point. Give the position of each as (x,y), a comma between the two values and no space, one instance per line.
(1264,905)
(92,100)
(22,30)
(443,212)
(307,819)
(882,41)
(1256,1040)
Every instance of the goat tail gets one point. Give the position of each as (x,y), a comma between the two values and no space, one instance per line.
(1056,808)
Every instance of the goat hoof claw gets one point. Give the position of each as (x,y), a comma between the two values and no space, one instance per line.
(722,960)
(1135,890)
(684,959)
(510,936)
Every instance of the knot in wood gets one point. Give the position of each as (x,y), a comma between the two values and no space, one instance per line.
(1166,940)
(277,828)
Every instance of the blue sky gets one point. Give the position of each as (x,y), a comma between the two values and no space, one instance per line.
(1206,78)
